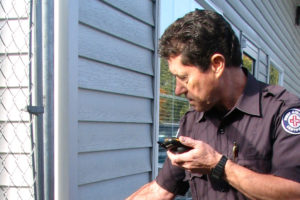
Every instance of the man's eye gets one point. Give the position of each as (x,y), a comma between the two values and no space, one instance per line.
(182,78)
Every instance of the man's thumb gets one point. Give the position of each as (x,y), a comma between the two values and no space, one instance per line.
(187,141)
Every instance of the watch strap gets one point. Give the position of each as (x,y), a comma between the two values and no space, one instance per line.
(218,171)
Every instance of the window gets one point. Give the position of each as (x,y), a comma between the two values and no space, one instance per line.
(171,107)
(275,75)
(250,55)
(248,63)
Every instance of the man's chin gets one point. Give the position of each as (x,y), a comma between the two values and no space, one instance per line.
(199,108)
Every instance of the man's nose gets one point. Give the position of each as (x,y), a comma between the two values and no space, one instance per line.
(180,88)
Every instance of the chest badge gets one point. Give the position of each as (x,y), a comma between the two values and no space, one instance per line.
(291,121)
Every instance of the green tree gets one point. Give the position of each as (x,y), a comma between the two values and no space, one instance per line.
(167,81)
(274,75)
(248,63)
(171,107)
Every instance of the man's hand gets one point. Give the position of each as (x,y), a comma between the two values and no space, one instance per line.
(201,159)
(151,191)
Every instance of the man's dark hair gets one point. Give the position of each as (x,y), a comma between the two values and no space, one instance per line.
(197,36)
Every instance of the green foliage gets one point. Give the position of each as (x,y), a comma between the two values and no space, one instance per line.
(274,75)
(167,81)
(248,63)
(171,108)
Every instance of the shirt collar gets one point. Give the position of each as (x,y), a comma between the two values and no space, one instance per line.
(200,116)
(250,101)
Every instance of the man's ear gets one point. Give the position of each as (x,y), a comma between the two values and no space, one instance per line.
(217,62)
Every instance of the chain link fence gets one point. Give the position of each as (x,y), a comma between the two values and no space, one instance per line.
(17,168)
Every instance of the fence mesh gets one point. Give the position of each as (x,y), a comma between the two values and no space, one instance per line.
(17,174)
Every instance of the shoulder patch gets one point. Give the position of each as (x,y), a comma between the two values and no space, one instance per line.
(291,121)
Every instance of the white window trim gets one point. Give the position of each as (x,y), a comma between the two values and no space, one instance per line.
(251,48)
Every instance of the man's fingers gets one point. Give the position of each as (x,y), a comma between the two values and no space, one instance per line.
(175,158)
(171,156)
(178,159)
(187,141)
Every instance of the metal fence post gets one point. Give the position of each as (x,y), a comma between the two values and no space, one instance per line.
(48,88)
(38,96)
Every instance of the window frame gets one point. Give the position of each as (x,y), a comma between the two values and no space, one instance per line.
(254,62)
(251,50)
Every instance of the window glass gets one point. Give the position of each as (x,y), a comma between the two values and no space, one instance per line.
(171,107)
(248,63)
(274,75)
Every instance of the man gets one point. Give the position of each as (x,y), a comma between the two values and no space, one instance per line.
(244,134)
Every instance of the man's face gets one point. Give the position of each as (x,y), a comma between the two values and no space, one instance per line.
(200,88)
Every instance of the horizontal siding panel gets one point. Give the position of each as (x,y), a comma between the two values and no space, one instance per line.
(99,46)
(290,85)
(14,71)
(103,77)
(264,30)
(13,104)
(263,68)
(14,36)
(287,20)
(280,26)
(141,9)
(284,28)
(262,38)
(230,11)
(109,136)
(99,166)
(263,57)
(116,189)
(265,21)
(262,77)
(115,22)
(107,107)
(235,18)
(252,47)
(15,138)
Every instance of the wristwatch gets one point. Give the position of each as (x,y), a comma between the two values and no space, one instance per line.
(218,171)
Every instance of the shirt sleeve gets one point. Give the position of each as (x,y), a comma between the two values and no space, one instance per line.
(286,145)
(172,178)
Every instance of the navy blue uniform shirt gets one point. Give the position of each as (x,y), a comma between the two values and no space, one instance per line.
(264,123)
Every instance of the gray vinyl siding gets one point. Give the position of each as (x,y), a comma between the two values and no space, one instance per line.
(115,97)
(271,26)
(263,68)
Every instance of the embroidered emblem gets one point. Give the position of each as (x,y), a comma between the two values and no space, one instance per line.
(291,121)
